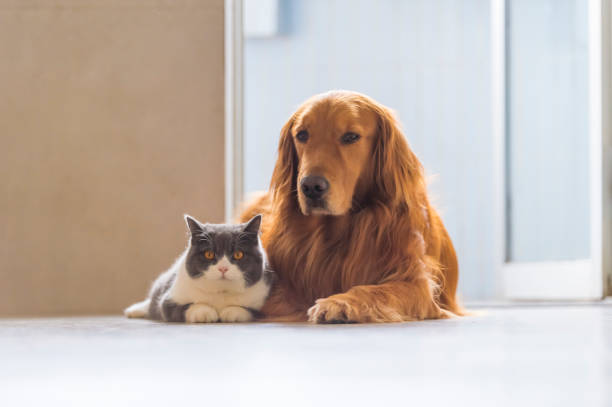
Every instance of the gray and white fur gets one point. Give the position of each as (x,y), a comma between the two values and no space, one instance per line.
(230,286)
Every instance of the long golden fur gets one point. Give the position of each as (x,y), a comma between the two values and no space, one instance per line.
(377,251)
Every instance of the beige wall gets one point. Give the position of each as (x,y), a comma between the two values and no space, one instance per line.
(111,127)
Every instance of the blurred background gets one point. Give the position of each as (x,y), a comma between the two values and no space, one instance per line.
(115,120)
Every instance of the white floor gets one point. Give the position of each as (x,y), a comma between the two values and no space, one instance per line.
(558,355)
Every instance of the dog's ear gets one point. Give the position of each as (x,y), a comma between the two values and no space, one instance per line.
(284,176)
(398,173)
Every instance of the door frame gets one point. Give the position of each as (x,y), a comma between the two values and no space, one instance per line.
(606,38)
(234,108)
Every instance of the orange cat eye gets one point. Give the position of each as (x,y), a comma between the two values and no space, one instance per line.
(238,255)
(209,254)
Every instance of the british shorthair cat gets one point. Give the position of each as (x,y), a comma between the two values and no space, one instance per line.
(222,276)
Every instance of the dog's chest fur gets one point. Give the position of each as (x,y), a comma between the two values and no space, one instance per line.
(317,259)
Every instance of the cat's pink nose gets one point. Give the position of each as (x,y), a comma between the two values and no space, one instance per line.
(223,269)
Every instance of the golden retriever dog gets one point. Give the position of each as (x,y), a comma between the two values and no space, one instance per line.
(348,226)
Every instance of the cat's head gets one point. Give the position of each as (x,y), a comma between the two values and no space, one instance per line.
(230,255)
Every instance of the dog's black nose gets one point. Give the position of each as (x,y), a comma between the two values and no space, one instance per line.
(314,187)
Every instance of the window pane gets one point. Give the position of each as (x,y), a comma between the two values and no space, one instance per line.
(548,141)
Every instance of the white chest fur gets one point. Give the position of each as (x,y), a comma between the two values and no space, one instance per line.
(216,293)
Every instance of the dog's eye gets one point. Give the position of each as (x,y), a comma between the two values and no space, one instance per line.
(302,136)
(350,138)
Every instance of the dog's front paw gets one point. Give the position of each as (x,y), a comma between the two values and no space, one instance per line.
(235,314)
(334,310)
(201,313)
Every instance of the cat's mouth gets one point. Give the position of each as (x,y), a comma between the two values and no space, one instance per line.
(224,277)
(220,279)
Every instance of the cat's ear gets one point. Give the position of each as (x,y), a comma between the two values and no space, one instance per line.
(194,226)
(253,225)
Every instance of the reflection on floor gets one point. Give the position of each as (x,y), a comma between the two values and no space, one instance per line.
(516,356)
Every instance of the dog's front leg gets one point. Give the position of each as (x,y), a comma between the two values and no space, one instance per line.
(389,302)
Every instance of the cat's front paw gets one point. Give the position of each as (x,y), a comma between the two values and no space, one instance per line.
(138,310)
(236,314)
(201,313)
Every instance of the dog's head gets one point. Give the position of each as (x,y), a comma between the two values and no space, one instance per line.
(341,150)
